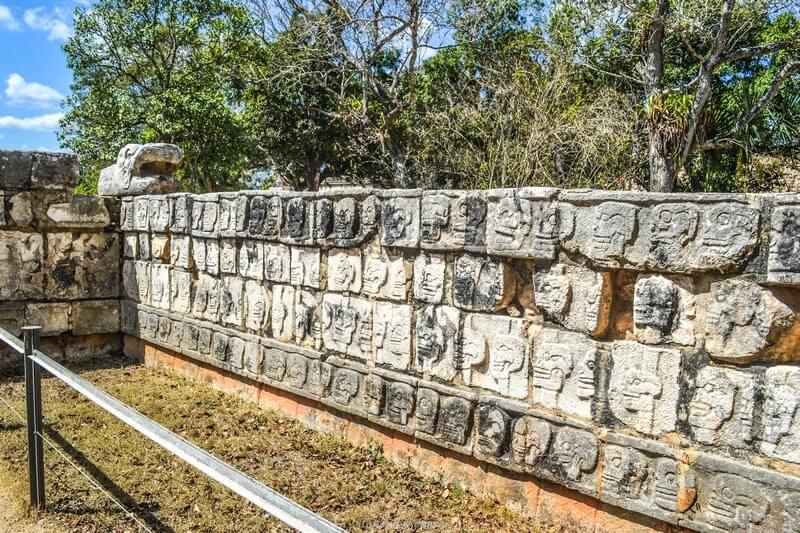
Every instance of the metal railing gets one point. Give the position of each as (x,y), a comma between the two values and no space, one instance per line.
(272,502)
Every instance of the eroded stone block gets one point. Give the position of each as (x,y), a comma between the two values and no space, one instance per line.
(298,217)
(54,318)
(780,434)
(344,270)
(729,232)
(160,248)
(429,278)
(576,297)
(160,214)
(743,320)
(231,302)
(664,310)
(205,298)
(305,267)
(386,275)
(348,221)
(721,409)
(444,418)
(278,261)
(130,246)
(228,256)
(232,214)
(308,320)
(21,266)
(181,291)
(481,284)
(347,325)
(144,246)
(93,317)
(564,372)
(784,245)
(251,259)
(257,306)
(159,286)
(181,206)
(436,332)
(126,214)
(141,216)
(205,253)
(494,354)
(392,334)
(283,321)
(266,217)
(400,221)
(643,390)
(79,265)
(180,251)
(79,212)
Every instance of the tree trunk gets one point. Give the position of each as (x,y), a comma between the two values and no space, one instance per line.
(399,160)
(662,164)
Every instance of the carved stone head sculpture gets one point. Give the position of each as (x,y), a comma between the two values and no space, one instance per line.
(530,440)
(142,169)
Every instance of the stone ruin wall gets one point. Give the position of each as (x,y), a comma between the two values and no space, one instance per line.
(638,348)
(59,258)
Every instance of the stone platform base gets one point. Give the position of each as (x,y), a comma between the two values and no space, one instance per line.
(551,508)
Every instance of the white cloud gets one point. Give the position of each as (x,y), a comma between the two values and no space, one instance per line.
(19,91)
(54,24)
(47,122)
(7,20)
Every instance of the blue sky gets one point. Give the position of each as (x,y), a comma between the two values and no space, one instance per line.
(33,73)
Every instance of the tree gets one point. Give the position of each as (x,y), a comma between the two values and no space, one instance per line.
(159,71)
(686,59)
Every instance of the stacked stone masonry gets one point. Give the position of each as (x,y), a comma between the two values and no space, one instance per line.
(639,348)
(59,257)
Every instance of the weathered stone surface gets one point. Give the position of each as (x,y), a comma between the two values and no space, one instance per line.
(52,170)
(160,212)
(142,169)
(232,214)
(780,433)
(160,292)
(308,320)
(283,321)
(231,301)
(180,252)
(81,212)
(344,270)
(266,217)
(21,266)
(346,222)
(495,354)
(576,297)
(721,409)
(229,256)
(181,216)
(160,248)
(429,278)
(278,263)
(144,246)
(305,267)
(205,298)
(564,372)
(54,318)
(664,310)
(251,259)
(453,220)
(180,285)
(82,265)
(392,334)
(205,216)
(435,343)
(482,284)
(743,320)
(729,232)
(643,390)
(21,212)
(400,220)
(92,317)
(141,214)
(130,246)
(15,169)
(444,417)
(386,275)
(784,245)
(257,306)
(347,325)
(298,219)
(205,253)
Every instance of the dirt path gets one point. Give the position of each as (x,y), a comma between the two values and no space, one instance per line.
(13,513)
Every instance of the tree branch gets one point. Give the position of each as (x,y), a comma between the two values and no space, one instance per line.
(756,51)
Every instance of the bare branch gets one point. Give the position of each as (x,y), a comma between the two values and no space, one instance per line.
(756,51)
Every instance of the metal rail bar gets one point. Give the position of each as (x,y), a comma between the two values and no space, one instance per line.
(255,492)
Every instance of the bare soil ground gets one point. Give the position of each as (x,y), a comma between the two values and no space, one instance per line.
(354,487)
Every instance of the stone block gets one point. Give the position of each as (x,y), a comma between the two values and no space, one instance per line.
(180,251)
(574,296)
(743,320)
(136,281)
(784,246)
(144,246)
(298,220)
(15,169)
(392,334)
(228,256)
(721,408)
(780,432)
(482,284)
(400,219)
(92,317)
(305,267)
(251,259)
(265,217)
(82,265)
(160,214)
(180,213)
(206,298)
(53,170)
(453,220)
(205,215)
(386,275)
(232,214)
(205,253)
(126,215)
(20,210)
(257,304)
(142,169)
(283,319)
(344,270)
(664,310)
(180,284)
(160,248)
(130,246)
(346,222)
(444,416)
(565,372)
(429,278)
(495,354)
(231,301)
(347,325)
(54,318)
(308,319)
(160,292)
(436,340)
(22,272)
(277,263)
(141,213)
(644,386)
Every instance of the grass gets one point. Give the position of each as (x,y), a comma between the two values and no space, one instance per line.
(356,488)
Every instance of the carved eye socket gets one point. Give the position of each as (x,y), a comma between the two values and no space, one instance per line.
(670,478)
(666,217)
(590,365)
(728,494)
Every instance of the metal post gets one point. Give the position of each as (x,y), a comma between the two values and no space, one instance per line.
(33,399)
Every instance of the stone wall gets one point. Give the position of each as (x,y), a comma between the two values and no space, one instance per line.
(59,257)
(640,349)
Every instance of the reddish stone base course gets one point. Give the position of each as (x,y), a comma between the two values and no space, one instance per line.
(552,508)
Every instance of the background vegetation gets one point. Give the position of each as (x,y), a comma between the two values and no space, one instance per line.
(699,95)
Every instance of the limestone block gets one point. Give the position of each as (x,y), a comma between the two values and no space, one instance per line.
(308,320)
(181,213)
(721,409)
(564,375)
(347,222)
(298,219)
(266,217)
(398,402)
(527,223)
(205,215)
(52,170)
(344,270)
(232,214)
(160,214)
(228,252)
(53,317)
(305,267)
(15,169)
(219,346)
(180,251)
(277,263)
(130,246)
(205,253)
(444,417)
(159,248)
(21,212)
(454,221)
(386,275)
(136,280)
(231,302)
(21,265)
(283,321)
(664,310)
(436,331)
(159,286)
(257,306)
(576,297)
(206,298)
(530,441)
(672,227)
(482,284)
(144,246)
(251,259)
(429,278)
(80,212)
(82,265)
(643,390)
(347,325)
(743,320)
(181,291)
(142,169)
(93,317)
(436,221)
(608,231)
(495,354)
(323,222)
(347,390)
(780,433)
(126,214)
(784,245)
(392,334)
(141,213)
(400,219)
(729,232)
